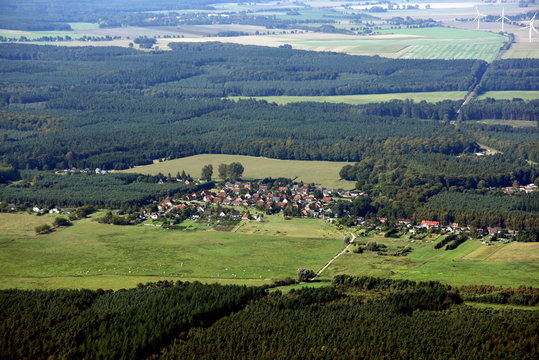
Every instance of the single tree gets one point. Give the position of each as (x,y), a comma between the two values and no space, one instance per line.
(207,172)
(222,171)
(235,171)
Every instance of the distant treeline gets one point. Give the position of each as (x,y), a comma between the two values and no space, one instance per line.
(46,15)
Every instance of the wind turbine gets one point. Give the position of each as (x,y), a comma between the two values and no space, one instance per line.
(503,18)
(531,27)
(478,17)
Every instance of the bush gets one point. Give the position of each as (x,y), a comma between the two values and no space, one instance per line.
(61,221)
(43,229)
(305,274)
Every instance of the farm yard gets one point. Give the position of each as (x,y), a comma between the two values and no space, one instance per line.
(325,173)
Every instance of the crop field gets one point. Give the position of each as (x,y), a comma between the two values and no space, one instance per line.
(449,43)
(525,95)
(508,265)
(487,52)
(523,50)
(325,173)
(434,96)
(95,255)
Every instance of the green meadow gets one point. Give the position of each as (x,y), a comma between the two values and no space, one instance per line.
(509,95)
(93,255)
(325,173)
(434,96)
(509,265)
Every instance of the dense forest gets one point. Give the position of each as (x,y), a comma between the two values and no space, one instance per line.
(115,108)
(512,74)
(352,318)
(514,212)
(108,190)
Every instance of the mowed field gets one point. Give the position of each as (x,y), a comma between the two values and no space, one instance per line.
(471,263)
(324,173)
(521,94)
(94,255)
(434,96)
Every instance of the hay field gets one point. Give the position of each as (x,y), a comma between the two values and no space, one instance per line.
(325,173)
(434,96)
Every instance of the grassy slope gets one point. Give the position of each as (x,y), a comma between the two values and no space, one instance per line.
(325,173)
(507,268)
(95,255)
(434,96)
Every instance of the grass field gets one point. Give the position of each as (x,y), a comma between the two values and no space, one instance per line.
(508,307)
(471,263)
(325,173)
(95,255)
(526,95)
(513,123)
(434,96)
(84,26)
(523,50)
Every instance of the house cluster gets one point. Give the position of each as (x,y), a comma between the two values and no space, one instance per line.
(40,210)
(73,170)
(293,200)
(526,188)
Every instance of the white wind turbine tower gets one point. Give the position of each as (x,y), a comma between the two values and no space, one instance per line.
(503,18)
(531,27)
(478,17)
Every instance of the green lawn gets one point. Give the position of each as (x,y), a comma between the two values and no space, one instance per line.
(83,26)
(434,96)
(325,173)
(425,263)
(522,94)
(95,255)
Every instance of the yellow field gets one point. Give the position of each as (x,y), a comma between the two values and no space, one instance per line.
(433,96)
(483,252)
(517,252)
(523,50)
(325,173)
